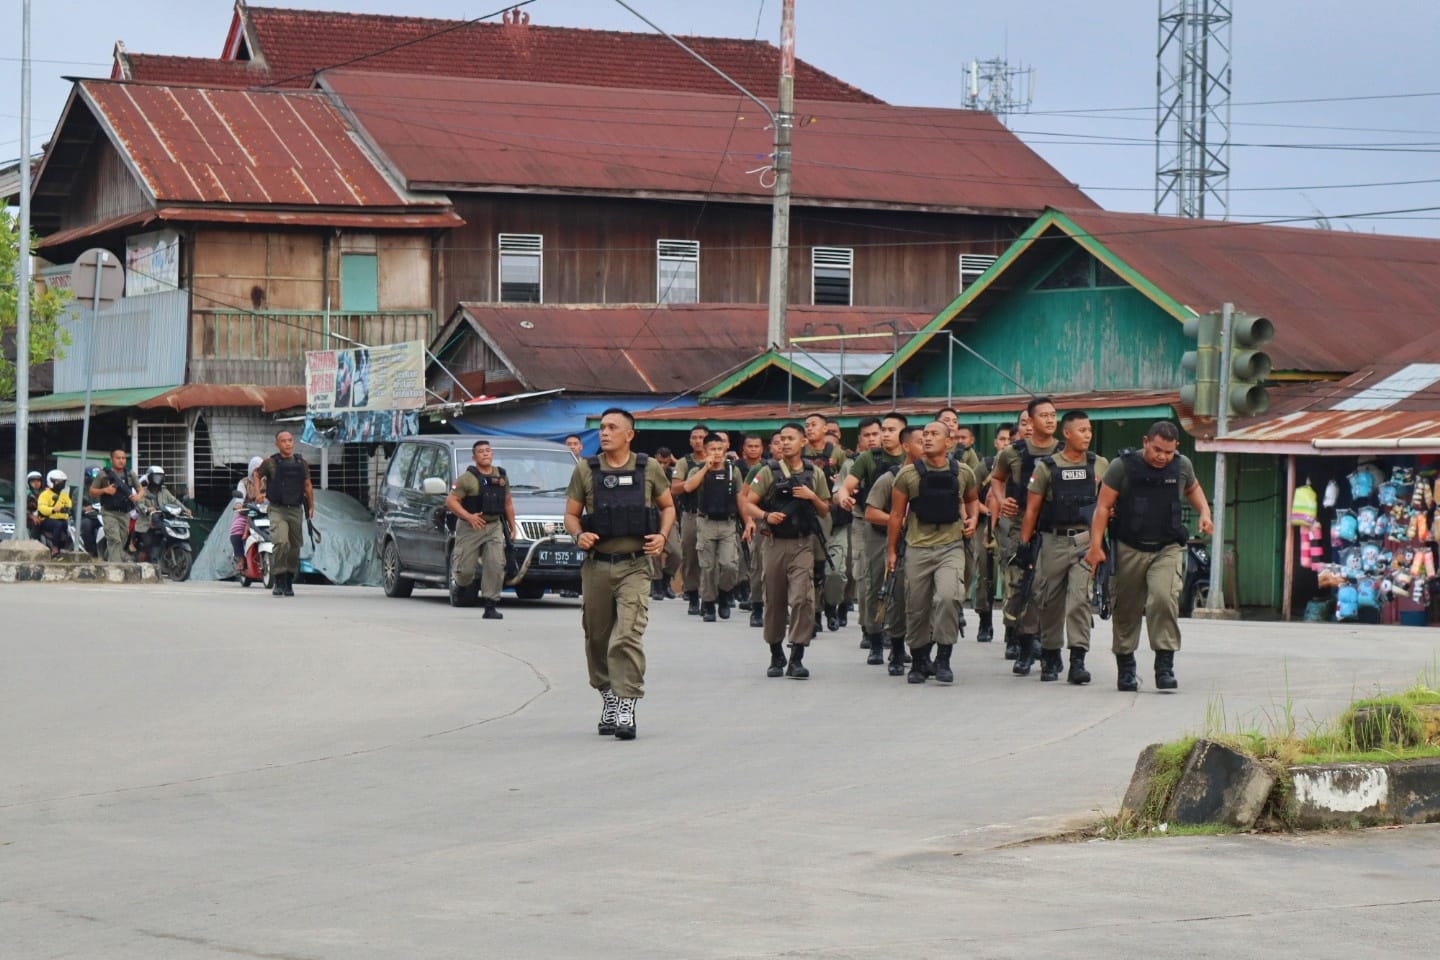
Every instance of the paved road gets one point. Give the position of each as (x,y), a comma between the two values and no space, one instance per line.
(199,771)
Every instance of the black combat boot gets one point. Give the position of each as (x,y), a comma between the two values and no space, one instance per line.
(694,597)
(1029,652)
(943,673)
(897,657)
(491,613)
(1125,678)
(844,614)
(277,585)
(1012,648)
(877,649)
(1165,670)
(1078,674)
(987,629)
(669,593)
(289,584)
(819,623)
(920,667)
(625,719)
(757,614)
(723,606)
(657,589)
(796,668)
(609,713)
(1051,663)
(832,618)
(864,640)
(777,661)
(707,611)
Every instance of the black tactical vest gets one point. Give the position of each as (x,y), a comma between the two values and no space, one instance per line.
(1148,512)
(829,464)
(716,496)
(1072,494)
(799,514)
(938,501)
(120,499)
(490,501)
(687,502)
(1015,487)
(622,502)
(286,487)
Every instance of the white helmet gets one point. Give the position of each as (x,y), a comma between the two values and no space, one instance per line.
(155,476)
(56,477)
(32,475)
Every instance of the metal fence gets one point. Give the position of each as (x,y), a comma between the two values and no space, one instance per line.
(138,342)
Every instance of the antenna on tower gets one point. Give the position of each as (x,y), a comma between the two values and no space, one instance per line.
(996,86)
(1192,108)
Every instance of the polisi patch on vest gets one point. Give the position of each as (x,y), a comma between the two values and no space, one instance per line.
(1074,473)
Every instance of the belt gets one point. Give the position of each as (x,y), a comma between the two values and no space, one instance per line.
(615,557)
(718,517)
(1069,531)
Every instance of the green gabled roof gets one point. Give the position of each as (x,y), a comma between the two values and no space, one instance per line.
(1034,233)
(759,365)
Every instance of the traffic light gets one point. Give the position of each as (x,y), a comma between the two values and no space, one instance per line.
(1249,366)
(1202,364)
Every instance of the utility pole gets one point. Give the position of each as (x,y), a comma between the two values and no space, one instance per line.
(22,289)
(783,122)
(1216,599)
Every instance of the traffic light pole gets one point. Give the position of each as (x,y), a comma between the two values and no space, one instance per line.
(1216,600)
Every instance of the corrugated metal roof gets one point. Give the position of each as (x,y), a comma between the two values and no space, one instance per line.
(58,407)
(268,399)
(158,68)
(207,145)
(444,133)
(1331,294)
(638,349)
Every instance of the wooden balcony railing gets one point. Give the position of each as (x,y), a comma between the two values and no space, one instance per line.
(236,346)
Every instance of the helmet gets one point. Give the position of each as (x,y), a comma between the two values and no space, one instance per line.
(255,464)
(91,473)
(56,478)
(32,475)
(155,476)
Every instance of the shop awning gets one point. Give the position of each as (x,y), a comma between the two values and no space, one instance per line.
(60,407)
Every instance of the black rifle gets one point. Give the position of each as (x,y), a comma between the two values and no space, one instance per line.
(1016,604)
(887,588)
(1103,597)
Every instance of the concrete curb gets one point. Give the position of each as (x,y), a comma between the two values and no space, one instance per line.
(91,572)
(1342,794)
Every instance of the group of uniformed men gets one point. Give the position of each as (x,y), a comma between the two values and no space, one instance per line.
(904,527)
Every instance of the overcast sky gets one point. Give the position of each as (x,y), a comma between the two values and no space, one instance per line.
(1288,159)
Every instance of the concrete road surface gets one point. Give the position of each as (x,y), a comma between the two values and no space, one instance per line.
(200,771)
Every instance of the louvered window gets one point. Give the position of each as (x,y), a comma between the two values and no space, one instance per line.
(677,271)
(972,267)
(522,263)
(831,270)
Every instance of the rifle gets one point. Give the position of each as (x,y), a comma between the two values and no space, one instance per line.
(887,588)
(1103,596)
(1021,597)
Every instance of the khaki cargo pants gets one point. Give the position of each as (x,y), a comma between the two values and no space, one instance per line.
(287,531)
(1064,601)
(485,546)
(790,582)
(1148,584)
(837,566)
(614,611)
(870,547)
(935,591)
(117,531)
(983,599)
(1027,622)
(719,556)
(690,552)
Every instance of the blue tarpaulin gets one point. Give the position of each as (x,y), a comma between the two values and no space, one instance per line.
(553,419)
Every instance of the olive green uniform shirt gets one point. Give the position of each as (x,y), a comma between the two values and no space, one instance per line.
(918,534)
(870,464)
(582,490)
(1040,479)
(764,481)
(1008,462)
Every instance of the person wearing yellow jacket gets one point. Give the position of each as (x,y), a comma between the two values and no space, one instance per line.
(53,506)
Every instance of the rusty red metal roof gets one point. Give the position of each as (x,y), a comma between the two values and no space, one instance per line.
(268,399)
(638,349)
(242,148)
(1326,291)
(192,71)
(446,133)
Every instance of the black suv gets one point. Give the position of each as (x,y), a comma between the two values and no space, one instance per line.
(413,539)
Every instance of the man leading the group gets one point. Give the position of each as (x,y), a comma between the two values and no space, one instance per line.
(1008,482)
(619,510)
(484,511)
(285,483)
(718,489)
(1059,508)
(1143,491)
(934,505)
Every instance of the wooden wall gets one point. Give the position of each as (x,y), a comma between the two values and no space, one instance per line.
(603,250)
(104,189)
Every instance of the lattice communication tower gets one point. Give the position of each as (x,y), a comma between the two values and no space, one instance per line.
(1192,109)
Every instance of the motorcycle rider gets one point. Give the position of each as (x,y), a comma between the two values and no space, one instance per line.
(53,506)
(155,497)
(247,493)
(35,485)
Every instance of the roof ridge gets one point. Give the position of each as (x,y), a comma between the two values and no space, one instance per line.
(1290,228)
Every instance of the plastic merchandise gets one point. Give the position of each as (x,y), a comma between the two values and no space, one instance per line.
(1304,506)
(1347,603)
(1346,528)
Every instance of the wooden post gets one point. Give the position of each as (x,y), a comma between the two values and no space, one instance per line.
(1288,584)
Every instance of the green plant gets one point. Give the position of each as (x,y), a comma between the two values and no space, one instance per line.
(48,338)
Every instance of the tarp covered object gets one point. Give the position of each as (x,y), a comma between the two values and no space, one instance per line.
(345,555)
(551,419)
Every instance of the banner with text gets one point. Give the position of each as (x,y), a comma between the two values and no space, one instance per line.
(368,394)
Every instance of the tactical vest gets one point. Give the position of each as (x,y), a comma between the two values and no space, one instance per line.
(799,514)
(882,466)
(120,499)
(938,501)
(287,485)
(716,496)
(490,501)
(1072,494)
(1015,487)
(687,502)
(828,464)
(622,502)
(1148,512)
(894,471)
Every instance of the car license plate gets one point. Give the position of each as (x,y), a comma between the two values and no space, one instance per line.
(558,558)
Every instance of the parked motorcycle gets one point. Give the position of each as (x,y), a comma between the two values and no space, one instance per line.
(173,553)
(1196,589)
(259,550)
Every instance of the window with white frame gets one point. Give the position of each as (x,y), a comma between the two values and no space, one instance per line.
(677,271)
(831,273)
(972,267)
(522,263)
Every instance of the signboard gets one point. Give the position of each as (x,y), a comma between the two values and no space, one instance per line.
(364,395)
(152,262)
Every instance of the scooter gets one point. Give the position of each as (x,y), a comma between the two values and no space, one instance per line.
(259,551)
(173,553)
(1195,591)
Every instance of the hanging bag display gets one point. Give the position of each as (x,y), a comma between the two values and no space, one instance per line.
(1304,506)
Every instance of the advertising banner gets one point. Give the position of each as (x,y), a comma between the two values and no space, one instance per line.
(364,395)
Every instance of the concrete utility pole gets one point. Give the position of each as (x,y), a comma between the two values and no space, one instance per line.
(783,124)
(22,289)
